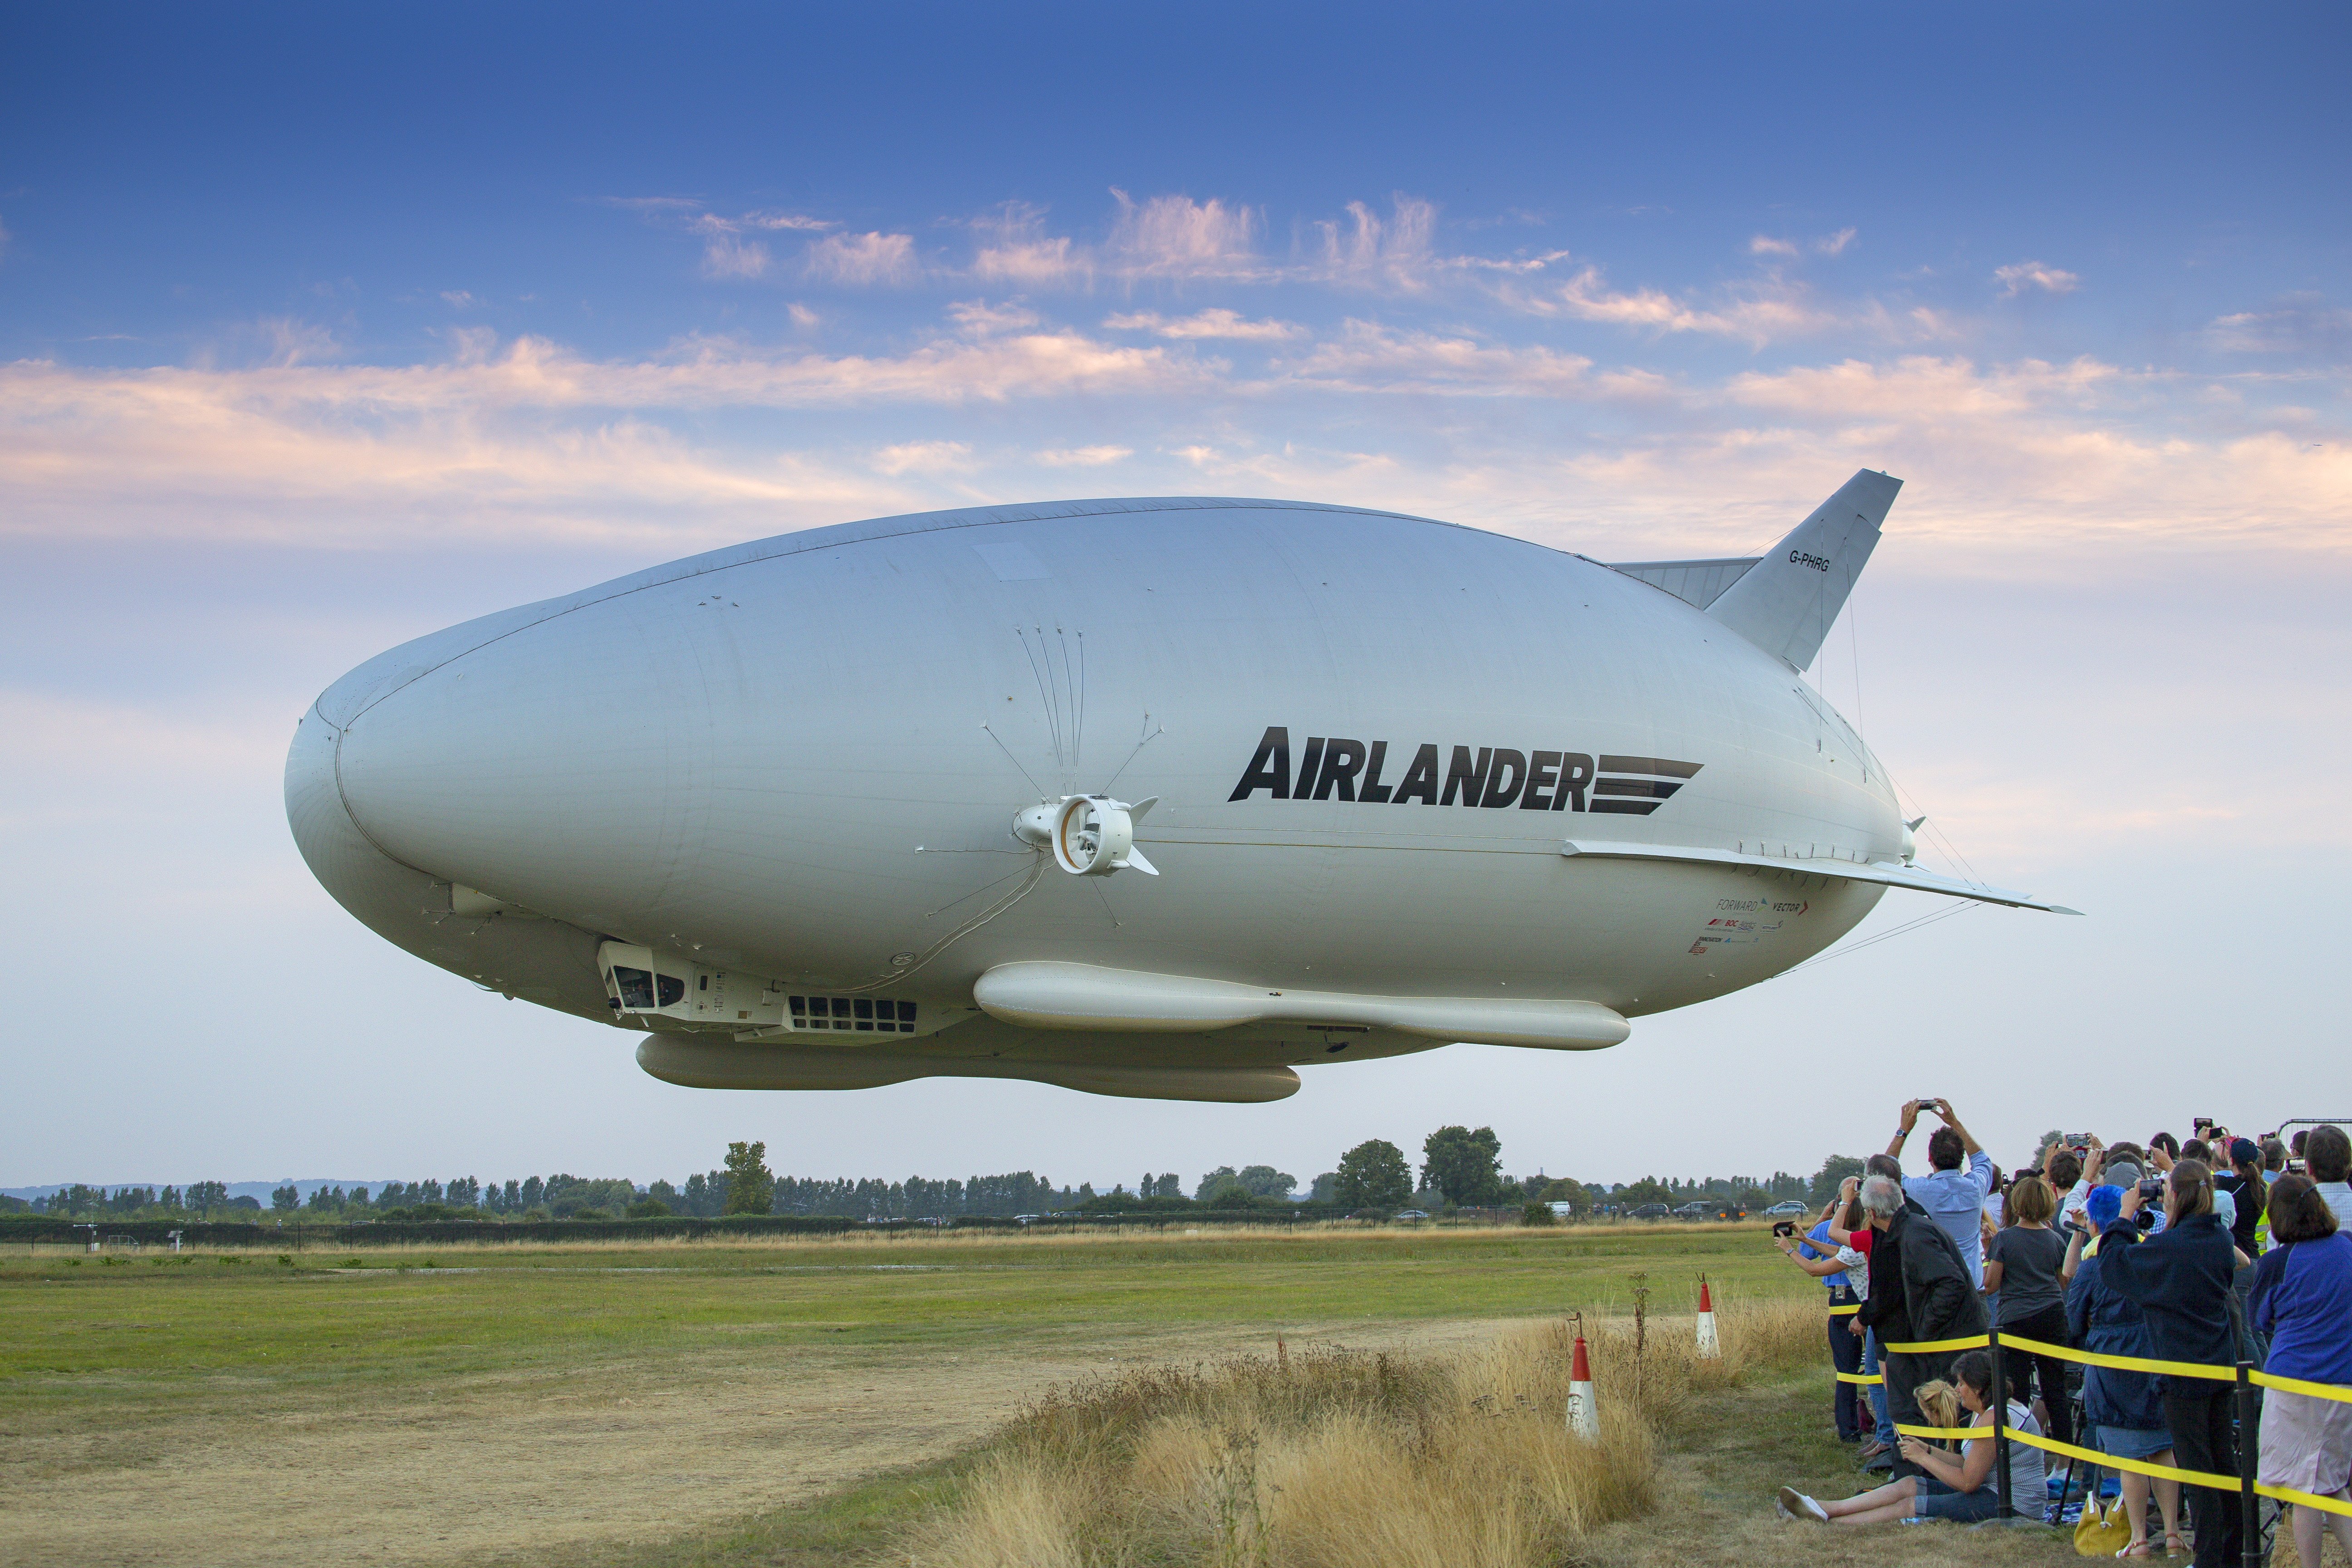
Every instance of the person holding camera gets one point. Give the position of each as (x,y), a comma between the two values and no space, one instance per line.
(1822,1254)
(2124,1410)
(1920,1290)
(2183,1281)
(1955,1188)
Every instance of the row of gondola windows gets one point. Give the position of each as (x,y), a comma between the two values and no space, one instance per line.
(883,1015)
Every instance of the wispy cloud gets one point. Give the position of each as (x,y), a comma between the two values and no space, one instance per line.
(1214,323)
(922,457)
(1083,456)
(862,258)
(725,256)
(2303,324)
(2019,277)
(1176,237)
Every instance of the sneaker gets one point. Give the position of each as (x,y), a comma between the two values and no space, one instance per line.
(1802,1507)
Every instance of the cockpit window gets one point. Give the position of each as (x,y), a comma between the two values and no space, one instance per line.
(673,990)
(636,988)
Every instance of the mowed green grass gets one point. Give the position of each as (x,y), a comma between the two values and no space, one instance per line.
(66,1319)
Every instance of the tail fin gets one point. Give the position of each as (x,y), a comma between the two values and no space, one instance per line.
(1786,601)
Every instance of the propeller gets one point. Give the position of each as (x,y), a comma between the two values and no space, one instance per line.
(1088,835)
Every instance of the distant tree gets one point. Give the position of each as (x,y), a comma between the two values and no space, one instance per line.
(1323,1191)
(1171,1185)
(1824,1184)
(203,1196)
(1534,1212)
(1648,1190)
(750,1188)
(286,1198)
(665,1194)
(1265,1182)
(649,1207)
(465,1192)
(1215,1182)
(1372,1175)
(1463,1165)
(534,1193)
(1566,1190)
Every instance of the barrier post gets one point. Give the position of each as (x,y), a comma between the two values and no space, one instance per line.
(2250,1511)
(2000,1425)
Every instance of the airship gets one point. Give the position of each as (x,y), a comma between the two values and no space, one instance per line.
(1164,797)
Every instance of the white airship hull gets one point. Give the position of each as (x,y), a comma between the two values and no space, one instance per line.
(790,770)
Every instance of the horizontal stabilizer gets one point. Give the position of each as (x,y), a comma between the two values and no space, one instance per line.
(1695,583)
(1786,602)
(1878,871)
(1051,995)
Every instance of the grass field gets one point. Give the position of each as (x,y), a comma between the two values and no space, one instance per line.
(722,1401)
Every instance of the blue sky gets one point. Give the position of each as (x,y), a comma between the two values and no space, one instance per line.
(321,329)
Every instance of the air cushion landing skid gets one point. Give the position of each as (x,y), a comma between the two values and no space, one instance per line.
(693,1062)
(1046,995)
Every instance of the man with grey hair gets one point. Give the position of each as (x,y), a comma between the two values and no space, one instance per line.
(1920,1290)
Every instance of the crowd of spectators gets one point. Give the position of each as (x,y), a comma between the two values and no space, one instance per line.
(2210,1251)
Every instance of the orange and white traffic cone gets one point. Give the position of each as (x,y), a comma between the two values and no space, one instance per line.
(1709,1347)
(1583,1417)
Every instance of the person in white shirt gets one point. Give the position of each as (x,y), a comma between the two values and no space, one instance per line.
(1953,1196)
(2327,1155)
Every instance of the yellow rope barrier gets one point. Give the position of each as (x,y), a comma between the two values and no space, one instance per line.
(1933,1347)
(2138,1466)
(2124,1363)
(2296,1385)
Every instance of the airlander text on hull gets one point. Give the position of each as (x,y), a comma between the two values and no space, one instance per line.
(857,806)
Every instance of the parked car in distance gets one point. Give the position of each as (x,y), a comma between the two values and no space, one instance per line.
(1413,1214)
(1648,1211)
(1790,1207)
(1562,1209)
(1699,1210)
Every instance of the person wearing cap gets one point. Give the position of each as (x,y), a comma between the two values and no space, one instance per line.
(2183,1281)
(2124,1410)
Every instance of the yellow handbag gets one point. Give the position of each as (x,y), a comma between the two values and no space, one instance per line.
(2102,1533)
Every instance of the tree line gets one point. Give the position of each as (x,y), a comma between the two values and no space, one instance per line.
(1460,1167)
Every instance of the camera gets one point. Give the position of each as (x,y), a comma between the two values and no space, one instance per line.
(1784,1227)
(2080,1142)
(2151,1198)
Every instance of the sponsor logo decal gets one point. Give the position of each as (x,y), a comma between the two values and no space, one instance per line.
(1487,777)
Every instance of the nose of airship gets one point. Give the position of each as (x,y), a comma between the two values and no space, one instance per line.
(512,763)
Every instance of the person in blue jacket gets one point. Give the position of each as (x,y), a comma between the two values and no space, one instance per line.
(2124,1410)
(2301,1286)
(2183,1281)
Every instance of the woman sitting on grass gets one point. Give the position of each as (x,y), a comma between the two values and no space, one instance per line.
(1958,1487)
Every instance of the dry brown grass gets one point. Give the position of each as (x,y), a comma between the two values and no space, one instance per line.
(1330,1458)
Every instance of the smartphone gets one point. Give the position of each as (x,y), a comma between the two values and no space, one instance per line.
(2079,1142)
(1784,1227)
(2199,1123)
